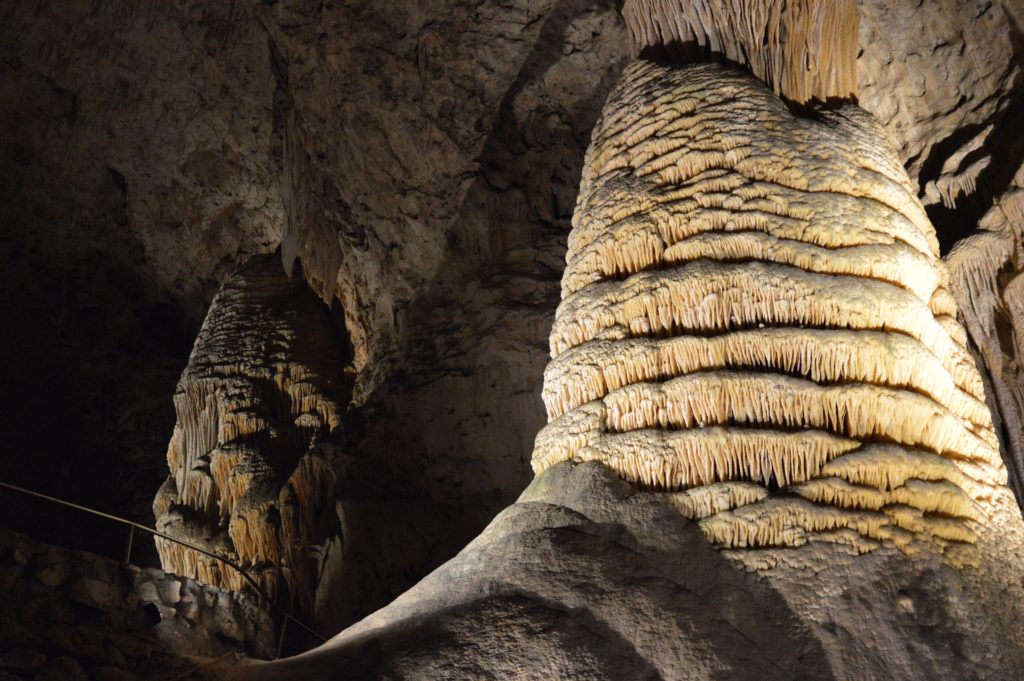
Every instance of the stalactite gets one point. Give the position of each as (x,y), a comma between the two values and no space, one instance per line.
(984,279)
(801,48)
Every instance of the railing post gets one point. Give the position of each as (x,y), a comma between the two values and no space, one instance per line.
(280,640)
(128,546)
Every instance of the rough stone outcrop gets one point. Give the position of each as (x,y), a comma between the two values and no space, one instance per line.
(152,124)
(72,615)
(943,78)
(265,381)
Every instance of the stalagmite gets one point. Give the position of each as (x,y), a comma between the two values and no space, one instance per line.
(265,380)
(754,316)
(986,282)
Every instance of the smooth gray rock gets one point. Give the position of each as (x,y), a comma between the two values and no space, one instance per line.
(585,577)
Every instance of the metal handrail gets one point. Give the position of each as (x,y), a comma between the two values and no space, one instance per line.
(163,535)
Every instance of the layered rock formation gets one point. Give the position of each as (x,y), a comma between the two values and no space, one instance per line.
(265,381)
(428,155)
(755,297)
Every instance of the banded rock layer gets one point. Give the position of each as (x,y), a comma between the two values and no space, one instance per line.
(265,379)
(755,319)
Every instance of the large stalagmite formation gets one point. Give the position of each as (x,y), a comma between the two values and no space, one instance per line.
(265,380)
(755,317)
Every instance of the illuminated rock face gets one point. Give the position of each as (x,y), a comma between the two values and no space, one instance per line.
(754,319)
(264,381)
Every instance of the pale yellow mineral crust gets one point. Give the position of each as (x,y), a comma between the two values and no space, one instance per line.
(264,381)
(755,319)
(801,48)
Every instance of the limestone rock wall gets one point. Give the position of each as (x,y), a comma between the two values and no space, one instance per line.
(72,615)
(943,78)
(266,380)
(137,157)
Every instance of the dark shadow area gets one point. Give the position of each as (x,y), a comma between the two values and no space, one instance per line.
(91,352)
(90,367)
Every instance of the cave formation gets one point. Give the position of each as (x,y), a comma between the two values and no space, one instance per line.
(656,339)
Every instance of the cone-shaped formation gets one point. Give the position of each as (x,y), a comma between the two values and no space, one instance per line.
(264,381)
(754,318)
(802,49)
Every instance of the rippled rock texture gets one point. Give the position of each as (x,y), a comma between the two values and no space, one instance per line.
(264,383)
(754,302)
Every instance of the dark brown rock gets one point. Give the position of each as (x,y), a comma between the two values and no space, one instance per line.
(111,674)
(61,669)
(21,660)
